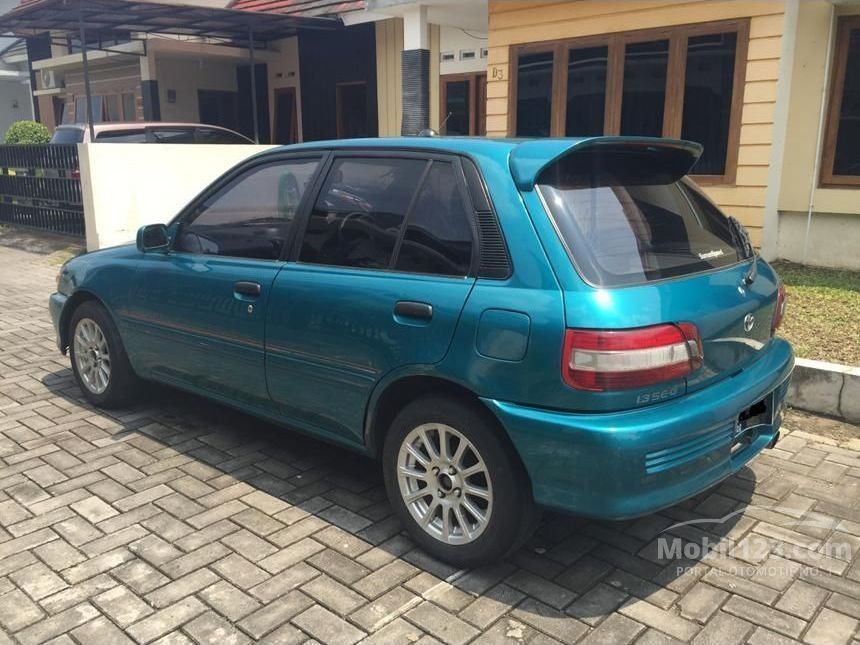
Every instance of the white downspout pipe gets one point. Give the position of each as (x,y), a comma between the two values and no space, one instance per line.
(822,119)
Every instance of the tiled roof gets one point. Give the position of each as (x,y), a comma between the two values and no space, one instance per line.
(308,8)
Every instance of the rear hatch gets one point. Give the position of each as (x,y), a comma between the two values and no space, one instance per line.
(648,240)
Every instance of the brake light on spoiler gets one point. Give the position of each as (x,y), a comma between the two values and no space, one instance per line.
(600,360)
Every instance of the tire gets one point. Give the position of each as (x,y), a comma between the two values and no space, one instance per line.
(500,490)
(106,379)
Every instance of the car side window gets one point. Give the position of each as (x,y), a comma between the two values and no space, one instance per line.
(121,136)
(438,236)
(359,214)
(211,135)
(252,215)
(172,135)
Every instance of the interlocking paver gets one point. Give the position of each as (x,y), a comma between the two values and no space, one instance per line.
(179,522)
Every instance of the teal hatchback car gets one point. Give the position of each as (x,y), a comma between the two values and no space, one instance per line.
(508,325)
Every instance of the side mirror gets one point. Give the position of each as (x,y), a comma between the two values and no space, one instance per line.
(153,237)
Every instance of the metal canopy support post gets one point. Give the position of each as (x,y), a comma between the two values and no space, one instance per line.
(253,84)
(87,89)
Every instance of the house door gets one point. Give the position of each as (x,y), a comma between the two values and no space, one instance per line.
(352,110)
(218,107)
(286,121)
(464,104)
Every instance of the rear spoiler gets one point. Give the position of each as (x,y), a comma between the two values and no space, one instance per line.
(671,158)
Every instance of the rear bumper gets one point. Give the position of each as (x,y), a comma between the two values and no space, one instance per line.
(55,305)
(626,464)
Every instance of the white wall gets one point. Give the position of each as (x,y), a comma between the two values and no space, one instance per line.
(834,239)
(128,185)
(186,76)
(455,40)
(14,92)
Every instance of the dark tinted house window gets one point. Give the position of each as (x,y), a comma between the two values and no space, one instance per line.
(456,115)
(534,94)
(624,230)
(710,77)
(438,236)
(251,216)
(847,156)
(359,213)
(586,91)
(644,94)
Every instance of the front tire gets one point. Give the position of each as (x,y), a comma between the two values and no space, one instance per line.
(99,361)
(455,483)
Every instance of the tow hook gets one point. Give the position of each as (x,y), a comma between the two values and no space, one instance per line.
(774,440)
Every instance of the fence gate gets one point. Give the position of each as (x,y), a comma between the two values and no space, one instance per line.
(40,187)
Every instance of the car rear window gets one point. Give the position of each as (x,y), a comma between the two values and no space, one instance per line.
(628,221)
(68,135)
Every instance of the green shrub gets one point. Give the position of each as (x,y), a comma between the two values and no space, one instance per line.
(27,132)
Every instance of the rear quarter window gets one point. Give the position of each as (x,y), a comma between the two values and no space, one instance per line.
(68,135)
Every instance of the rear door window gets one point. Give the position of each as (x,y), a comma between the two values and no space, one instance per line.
(172,135)
(623,227)
(68,135)
(438,237)
(358,216)
(214,135)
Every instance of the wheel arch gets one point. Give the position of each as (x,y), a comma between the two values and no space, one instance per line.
(75,300)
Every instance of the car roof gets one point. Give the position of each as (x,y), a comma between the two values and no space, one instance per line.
(525,157)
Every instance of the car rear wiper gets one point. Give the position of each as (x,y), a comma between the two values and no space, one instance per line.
(742,242)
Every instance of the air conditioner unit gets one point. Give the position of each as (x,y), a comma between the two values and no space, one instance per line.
(51,80)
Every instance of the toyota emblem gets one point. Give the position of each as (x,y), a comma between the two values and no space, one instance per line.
(749,323)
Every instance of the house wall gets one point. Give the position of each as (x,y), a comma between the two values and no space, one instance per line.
(186,76)
(834,228)
(455,40)
(15,103)
(517,22)
(389,83)
(116,77)
(389,89)
(284,72)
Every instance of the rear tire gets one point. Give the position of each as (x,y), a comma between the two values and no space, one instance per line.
(99,361)
(455,483)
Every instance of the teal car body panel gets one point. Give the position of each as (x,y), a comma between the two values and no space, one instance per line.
(319,347)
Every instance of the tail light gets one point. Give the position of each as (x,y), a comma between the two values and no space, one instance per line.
(599,360)
(779,311)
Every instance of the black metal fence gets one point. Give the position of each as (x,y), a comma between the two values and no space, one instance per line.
(40,187)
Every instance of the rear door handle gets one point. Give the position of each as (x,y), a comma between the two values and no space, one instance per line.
(248,288)
(411,309)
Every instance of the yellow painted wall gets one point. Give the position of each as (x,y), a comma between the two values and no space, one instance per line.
(389,83)
(514,22)
(804,114)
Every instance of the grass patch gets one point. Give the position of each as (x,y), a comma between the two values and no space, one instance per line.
(822,320)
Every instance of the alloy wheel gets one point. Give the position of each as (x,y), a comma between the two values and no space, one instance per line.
(92,355)
(444,483)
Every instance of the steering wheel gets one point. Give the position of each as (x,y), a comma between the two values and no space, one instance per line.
(349,216)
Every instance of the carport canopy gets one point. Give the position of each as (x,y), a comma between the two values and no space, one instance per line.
(120,17)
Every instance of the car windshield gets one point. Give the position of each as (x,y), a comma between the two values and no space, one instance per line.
(620,230)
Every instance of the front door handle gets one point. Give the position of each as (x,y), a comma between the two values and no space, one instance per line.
(411,309)
(252,289)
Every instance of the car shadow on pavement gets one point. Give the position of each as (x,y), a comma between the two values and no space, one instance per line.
(572,567)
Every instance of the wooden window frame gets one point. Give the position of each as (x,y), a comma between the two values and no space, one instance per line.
(673,109)
(472,79)
(844,27)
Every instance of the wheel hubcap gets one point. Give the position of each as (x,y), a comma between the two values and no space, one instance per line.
(445,483)
(92,356)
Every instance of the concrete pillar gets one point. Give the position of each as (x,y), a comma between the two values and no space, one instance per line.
(416,70)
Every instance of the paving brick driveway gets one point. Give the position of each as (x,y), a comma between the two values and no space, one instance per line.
(182,521)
